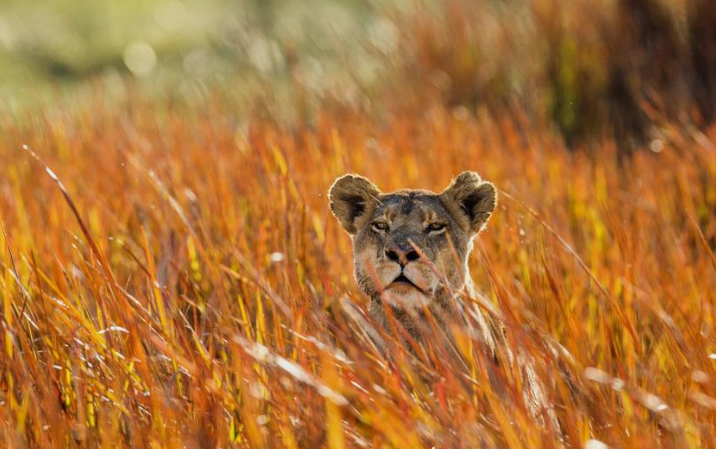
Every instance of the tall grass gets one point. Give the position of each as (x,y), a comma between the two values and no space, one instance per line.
(173,278)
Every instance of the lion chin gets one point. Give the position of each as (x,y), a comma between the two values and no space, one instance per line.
(406,297)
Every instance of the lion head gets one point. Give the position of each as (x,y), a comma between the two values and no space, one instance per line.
(411,246)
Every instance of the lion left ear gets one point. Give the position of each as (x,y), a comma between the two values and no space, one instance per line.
(472,199)
(352,197)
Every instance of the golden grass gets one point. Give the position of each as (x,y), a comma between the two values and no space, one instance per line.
(202,296)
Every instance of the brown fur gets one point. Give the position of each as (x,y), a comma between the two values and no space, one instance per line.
(439,271)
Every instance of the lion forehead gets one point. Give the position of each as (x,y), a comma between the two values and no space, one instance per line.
(411,206)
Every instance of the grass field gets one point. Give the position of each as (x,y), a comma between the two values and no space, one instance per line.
(171,275)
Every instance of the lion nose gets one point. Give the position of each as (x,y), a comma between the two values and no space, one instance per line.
(402,256)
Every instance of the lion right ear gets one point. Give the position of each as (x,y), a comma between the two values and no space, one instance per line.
(471,199)
(351,198)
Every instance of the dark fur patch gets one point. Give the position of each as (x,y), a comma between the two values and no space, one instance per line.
(408,206)
(468,205)
(356,205)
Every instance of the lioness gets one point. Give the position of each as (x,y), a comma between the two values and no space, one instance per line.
(411,246)
(410,256)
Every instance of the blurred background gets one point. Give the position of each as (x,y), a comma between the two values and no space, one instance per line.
(587,68)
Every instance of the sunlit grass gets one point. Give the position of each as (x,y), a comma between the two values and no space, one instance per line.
(202,295)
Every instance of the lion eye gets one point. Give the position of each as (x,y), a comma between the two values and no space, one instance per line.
(436,228)
(379,226)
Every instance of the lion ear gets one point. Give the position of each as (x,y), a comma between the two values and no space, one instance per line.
(351,198)
(472,199)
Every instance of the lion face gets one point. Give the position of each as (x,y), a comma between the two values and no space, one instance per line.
(410,246)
